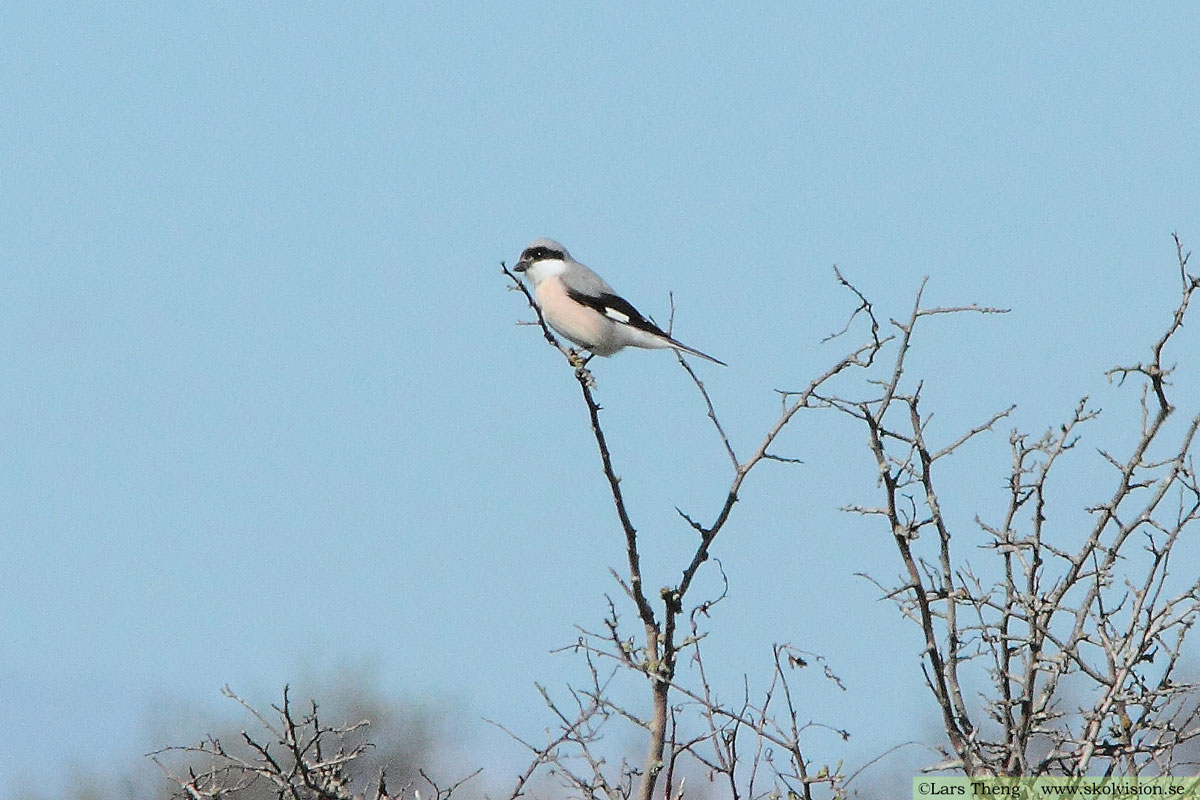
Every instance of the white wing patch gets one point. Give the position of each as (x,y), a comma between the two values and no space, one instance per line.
(612,313)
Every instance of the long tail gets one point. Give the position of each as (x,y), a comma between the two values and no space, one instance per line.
(678,345)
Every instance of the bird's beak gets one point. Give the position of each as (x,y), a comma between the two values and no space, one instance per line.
(521,266)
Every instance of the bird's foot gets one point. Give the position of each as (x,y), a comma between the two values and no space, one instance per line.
(579,362)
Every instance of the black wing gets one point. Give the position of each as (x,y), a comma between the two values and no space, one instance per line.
(617,309)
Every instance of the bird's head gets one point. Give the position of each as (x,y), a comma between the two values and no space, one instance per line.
(542,259)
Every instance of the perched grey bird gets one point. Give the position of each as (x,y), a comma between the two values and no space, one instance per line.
(582,307)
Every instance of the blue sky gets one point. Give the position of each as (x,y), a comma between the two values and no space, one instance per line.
(266,408)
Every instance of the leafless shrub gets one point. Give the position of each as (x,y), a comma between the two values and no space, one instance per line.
(1091,612)
(291,754)
(1062,612)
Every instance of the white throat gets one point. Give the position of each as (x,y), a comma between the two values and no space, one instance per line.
(539,271)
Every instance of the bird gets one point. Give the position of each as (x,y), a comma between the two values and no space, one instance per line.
(581,306)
